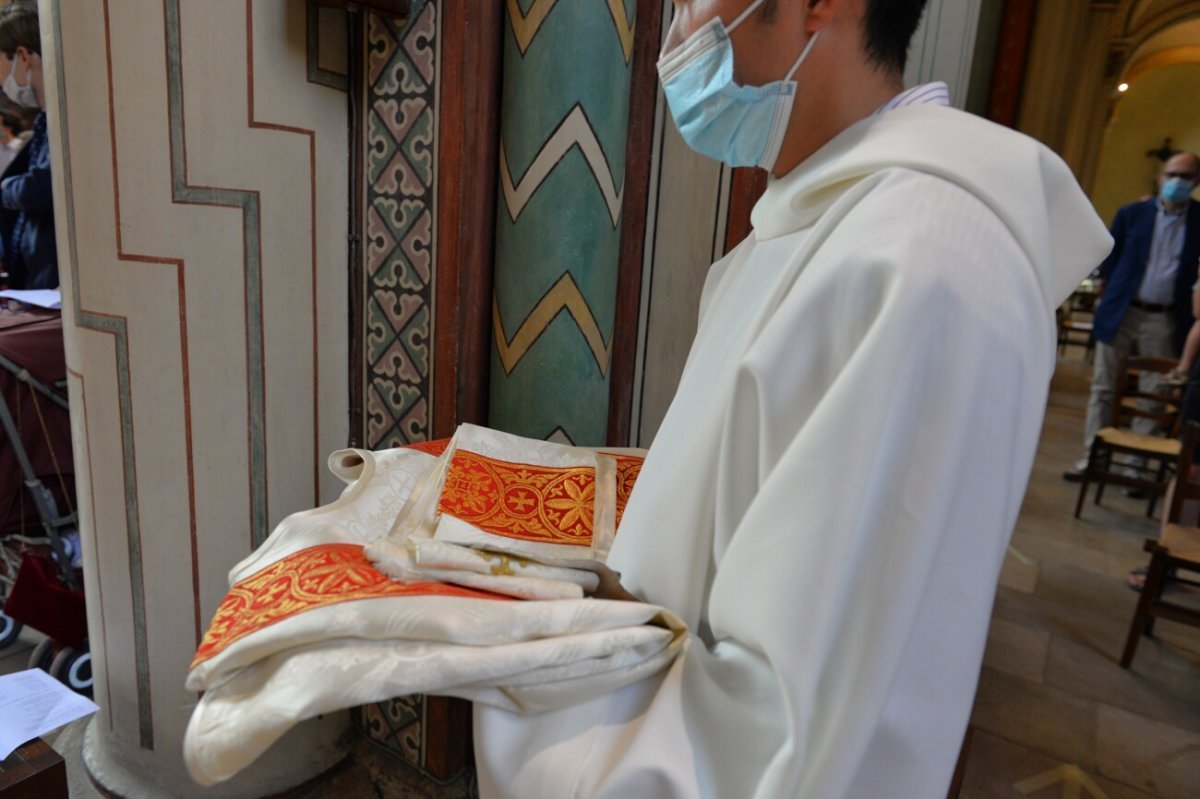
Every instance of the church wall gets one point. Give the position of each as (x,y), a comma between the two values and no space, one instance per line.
(200,165)
(1158,104)
(685,233)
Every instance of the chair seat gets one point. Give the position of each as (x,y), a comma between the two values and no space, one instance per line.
(1167,447)
(1132,402)
(1183,542)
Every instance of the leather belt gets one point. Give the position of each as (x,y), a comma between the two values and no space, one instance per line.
(1152,307)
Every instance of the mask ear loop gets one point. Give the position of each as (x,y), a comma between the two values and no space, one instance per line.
(742,16)
(803,55)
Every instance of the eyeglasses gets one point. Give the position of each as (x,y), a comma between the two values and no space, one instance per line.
(1184,175)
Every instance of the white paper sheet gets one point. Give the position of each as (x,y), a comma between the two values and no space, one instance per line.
(32,703)
(42,298)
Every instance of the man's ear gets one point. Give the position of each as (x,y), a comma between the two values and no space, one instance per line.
(821,13)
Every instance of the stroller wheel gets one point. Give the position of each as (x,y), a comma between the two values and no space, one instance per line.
(73,668)
(10,629)
(42,655)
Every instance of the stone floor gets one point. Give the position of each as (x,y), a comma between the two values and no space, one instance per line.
(1055,716)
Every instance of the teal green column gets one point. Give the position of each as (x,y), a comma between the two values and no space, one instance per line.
(564,122)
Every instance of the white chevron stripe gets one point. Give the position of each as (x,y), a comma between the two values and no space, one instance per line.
(574,131)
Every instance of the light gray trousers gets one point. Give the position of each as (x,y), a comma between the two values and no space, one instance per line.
(1153,333)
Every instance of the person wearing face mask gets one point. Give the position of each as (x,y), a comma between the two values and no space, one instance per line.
(829,499)
(29,253)
(1147,284)
(11,141)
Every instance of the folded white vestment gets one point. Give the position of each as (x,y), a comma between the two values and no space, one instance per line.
(516,516)
(310,626)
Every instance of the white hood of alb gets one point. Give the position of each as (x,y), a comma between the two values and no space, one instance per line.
(1029,187)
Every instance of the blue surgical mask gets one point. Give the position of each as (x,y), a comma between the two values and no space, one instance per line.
(1177,190)
(738,125)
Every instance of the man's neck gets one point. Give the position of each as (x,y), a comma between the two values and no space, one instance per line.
(826,107)
(1173,208)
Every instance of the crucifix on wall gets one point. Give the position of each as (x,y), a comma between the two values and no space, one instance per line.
(1163,151)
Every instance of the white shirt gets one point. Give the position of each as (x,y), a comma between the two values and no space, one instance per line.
(935,93)
(1158,283)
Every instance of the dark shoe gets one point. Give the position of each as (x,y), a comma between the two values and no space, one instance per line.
(1135,493)
(1072,476)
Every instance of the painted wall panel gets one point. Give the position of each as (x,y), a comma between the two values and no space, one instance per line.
(201,188)
(943,46)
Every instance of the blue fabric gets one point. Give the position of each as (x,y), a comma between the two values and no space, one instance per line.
(1122,271)
(27,243)
(717,117)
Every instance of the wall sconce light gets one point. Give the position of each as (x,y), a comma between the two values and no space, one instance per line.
(1124,87)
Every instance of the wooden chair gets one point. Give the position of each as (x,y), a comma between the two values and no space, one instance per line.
(1154,453)
(1075,322)
(1178,548)
(1075,331)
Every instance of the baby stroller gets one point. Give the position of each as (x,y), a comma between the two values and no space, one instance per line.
(40,582)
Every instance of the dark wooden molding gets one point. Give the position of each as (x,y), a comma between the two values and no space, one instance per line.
(448,739)
(391,8)
(356,94)
(471,45)
(468,157)
(643,93)
(745,187)
(1008,70)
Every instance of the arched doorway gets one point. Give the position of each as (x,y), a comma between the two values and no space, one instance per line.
(1154,113)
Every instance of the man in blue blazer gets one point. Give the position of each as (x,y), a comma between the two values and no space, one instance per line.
(1147,282)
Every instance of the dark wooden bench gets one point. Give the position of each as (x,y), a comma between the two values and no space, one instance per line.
(33,771)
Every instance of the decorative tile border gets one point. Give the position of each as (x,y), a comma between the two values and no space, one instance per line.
(401,156)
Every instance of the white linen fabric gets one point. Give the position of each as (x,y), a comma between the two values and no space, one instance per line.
(400,560)
(526,657)
(519,450)
(438,555)
(428,542)
(830,496)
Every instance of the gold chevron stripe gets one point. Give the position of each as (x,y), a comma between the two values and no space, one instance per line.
(526,26)
(574,131)
(564,295)
(624,26)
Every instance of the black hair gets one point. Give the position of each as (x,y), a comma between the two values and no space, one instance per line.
(19,28)
(12,121)
(888,28)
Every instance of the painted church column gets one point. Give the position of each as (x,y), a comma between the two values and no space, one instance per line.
(199,155)
(564,121)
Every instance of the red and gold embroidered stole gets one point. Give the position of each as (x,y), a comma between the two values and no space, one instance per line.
(516,500)
(315,577)
(531,503)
